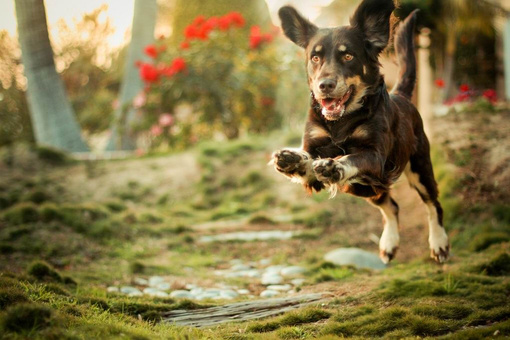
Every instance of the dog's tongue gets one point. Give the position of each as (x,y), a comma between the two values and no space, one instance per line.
(331,106)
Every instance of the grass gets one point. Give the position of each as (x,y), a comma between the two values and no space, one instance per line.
(60,248)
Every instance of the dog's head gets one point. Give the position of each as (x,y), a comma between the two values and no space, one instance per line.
(342,62)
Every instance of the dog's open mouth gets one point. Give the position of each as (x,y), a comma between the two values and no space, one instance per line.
(333,108)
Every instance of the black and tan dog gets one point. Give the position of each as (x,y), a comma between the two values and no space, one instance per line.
(359,138)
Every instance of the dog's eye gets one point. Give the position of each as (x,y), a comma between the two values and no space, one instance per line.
(316,58)
(348,57)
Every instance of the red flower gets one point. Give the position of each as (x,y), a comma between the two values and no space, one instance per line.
(151,51)
(267,101)
(224,23)
(490,95)
(199,20)
(464,88)
(149,73)
(257,37)
(236,18)
(185,45)
(178,64)
(439,83)
(191,32)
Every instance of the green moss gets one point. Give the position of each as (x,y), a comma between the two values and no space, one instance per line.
(37,196)
(43,271)
(27,317)
(485,240)
(115,206)
(502,213)
(51,155)
(349,313)
(261,219)
(307,315)
(57,289)
(21,213)
(443,311)
(412,288)
(10,296)
(6,248)
(487,317)
(137,267)
(498,266)
(332,274)
(423,326)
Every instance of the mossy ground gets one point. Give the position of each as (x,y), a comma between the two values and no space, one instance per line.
(69,229)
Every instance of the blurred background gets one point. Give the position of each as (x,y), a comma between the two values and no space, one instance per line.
(134,142)
(236,77)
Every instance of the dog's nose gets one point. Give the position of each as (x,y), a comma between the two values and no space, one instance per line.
(327,85)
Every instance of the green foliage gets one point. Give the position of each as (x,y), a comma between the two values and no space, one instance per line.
(10,296)
(303,316)
(485,240)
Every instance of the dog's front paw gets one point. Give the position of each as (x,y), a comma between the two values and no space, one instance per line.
(439,245)
(328,171)
(291,162)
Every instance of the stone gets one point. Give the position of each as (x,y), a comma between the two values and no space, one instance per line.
(271,279)
(356,257)
(292,271)
(134,294)
(154,292)
(163,286)
(297,282)
(208,295)
(240,267)
(183,294)
(128,289)
(228,294)
(155,280)
(265,262)
(112,289)
(274,269)
(243,291)
(280,288)
(269,293)
(140,281)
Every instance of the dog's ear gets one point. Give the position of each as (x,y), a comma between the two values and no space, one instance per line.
(295,27)
(372,17)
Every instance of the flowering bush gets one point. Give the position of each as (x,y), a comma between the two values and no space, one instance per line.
(469,99)
(221,78)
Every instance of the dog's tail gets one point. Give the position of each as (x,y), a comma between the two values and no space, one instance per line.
(404,47)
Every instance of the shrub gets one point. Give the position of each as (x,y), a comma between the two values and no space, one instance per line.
(51,155)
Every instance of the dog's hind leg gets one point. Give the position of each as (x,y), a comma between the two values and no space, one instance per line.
(388,244)
(421,177)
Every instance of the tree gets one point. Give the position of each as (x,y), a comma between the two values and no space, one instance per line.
(52,116)
(142,33)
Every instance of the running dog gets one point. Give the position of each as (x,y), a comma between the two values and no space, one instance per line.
(359,138)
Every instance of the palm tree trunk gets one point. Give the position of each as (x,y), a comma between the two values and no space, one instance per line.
(52,116)
(123,136)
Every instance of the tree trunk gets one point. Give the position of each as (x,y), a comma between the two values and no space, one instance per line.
(52,116)
(142,34)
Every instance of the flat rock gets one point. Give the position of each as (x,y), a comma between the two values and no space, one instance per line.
(155,280)
(140,281)
(271,279)
(129,290)
(280,288)
(292,271)
(356,257)
(183,294)
(112,289)
(268,293)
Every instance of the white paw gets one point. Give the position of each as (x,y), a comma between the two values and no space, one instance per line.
(388,245)
(439,245)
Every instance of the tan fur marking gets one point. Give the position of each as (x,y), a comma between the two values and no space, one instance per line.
(318,132)
(364,69)
(360,132)
(342,48)
(318,48)
(356,80)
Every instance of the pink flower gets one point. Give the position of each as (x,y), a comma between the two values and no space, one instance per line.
(156,130)
(166,119)
(140,152)
(139,100)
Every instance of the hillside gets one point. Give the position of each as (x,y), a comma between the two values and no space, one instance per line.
(77,238)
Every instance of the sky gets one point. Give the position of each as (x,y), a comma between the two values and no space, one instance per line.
(120,13)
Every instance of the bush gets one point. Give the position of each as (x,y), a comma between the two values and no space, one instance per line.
(51,155)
